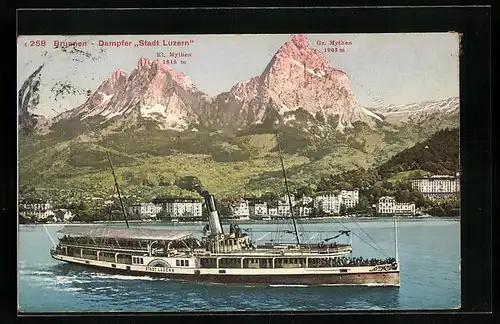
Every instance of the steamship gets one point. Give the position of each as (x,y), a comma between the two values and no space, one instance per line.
(221,257)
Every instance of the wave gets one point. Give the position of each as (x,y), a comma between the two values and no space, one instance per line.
(41,273)
(356,285)
(57,280)
(70,289)
(289,285)
(374,285)
(103,288)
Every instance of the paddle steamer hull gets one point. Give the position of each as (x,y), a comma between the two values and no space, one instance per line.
(353,276)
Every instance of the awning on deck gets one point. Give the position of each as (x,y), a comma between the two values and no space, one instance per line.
(126,233)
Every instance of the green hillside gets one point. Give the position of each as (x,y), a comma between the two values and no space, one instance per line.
(437,155)
(150,162)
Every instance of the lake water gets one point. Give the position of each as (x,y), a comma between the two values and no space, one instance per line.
(429,253)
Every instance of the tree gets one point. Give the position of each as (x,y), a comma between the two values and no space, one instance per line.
(163,215)
(403,195)
(304,190)
(376,192)
(223,207)
(190,183)
(362,205)
(343,210)
(270,197)
(84,215)
(417,198)
(314,212)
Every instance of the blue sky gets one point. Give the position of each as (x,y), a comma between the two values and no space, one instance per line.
(383,68)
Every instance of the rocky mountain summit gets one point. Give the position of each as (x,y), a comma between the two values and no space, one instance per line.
(152,91)
(298,76)
(298,81)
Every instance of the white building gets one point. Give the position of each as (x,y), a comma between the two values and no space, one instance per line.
(303,207)
(240,209)
(284,199)
(177,207)
(283,209)
(389,205)
(36,208)
(258,210)
(350,198)
(305,200)
(438,186)
(146,210)
(330,203)
(284,206)
(272,211)
(302,211)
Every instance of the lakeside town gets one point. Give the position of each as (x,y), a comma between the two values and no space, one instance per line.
(436,190)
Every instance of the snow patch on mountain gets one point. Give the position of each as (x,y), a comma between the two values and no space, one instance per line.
(371,114)
(153,111)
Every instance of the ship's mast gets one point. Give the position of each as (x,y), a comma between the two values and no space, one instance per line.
(287,191)
(117,189)
(396,239)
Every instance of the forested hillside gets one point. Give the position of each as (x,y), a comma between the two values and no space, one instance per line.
(437,155)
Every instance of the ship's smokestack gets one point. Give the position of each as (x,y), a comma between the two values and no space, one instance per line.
(213,215)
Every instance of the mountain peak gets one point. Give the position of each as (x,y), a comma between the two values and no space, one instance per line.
(301,41)
(119,72)
(162,64)
(143,61)
(299,76)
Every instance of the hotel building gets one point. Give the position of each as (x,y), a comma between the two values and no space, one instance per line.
(146,210)
(389,206)
(438,186)
(179,207)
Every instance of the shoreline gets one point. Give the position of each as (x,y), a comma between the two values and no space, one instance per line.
(254,221)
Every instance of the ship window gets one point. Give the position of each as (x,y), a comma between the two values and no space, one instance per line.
(187,263)
(177,263)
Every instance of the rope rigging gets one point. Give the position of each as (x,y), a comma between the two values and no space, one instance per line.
(375,248)
(385,253)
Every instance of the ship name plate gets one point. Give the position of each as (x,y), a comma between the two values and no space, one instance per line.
(159,269)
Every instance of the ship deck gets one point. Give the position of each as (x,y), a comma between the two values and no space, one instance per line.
(339,250)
